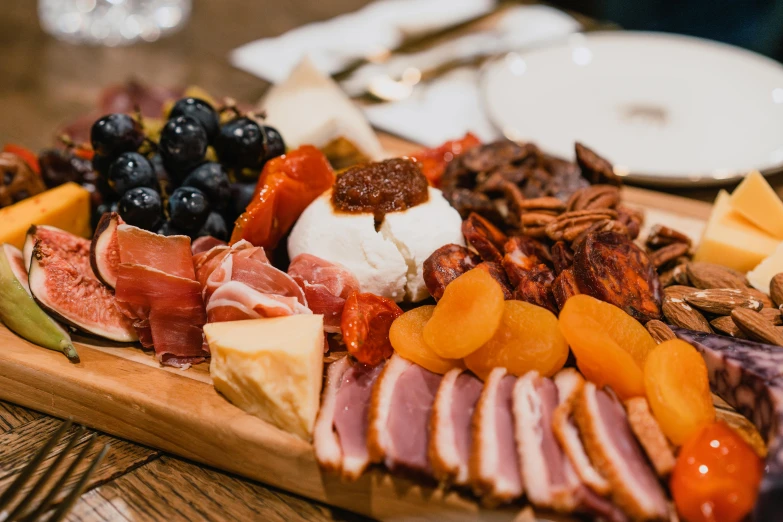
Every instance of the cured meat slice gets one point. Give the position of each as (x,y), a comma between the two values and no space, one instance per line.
(326,442)
(549,479)
(169,254)
(611,446)
(204,244)
(650,436)
(235,301)
(326,287)
(494,465)
(400,410)
(450,427)
(569,384)
(146,287)
(749,376)
(205,263)
(352,417)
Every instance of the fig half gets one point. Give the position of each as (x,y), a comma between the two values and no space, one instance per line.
(19,312)
(63,284)
(105,249)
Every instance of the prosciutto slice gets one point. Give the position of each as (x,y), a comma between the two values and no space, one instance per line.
(326,286)
(238,282)
(611,445)
(156,287)
(494,464)
(400,411)
(450,437)
(204,244)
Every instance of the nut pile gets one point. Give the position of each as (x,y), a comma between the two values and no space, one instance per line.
(711,298)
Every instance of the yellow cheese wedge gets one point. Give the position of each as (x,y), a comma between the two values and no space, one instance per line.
(66,207)
(271,368)
(731,240)
(761,276)
(757,202)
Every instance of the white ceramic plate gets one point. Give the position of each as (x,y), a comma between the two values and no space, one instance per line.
(665,109)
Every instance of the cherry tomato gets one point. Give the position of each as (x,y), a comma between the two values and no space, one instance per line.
(287,185)
(716,476)
(433,161)
(26,154)
(366,321)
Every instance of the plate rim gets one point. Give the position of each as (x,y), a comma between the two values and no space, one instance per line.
(640,178)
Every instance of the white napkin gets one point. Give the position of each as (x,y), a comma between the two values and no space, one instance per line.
(337,43)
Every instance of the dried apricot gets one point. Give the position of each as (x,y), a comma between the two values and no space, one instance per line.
(610,346)
(678,389)
(466,316)
(528,338)
(716,477)
(407,340)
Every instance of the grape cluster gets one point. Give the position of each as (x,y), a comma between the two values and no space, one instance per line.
(199,197)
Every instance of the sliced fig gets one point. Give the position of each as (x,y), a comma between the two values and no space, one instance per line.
(105,249)
(19,312)
(63,284)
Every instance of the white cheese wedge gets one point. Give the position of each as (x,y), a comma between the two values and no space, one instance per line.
(271,368)
(731,240)
(761,276)
(310,108)
(389,261)
(757,202)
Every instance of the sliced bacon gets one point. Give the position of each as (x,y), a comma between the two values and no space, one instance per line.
(168,254)
(205,243)
(612,447)
(450,427)
(494,464)
(549,479)
(402,400)
(326,286)
(569,384)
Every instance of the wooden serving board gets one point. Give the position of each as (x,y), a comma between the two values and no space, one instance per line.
(122,391)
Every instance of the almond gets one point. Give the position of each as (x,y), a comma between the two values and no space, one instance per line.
(756,326)
(773,315)
(659,331)
(725,325)
(766,302)
(709,275)
(776,289)
(678,291)
(681,314)
(680,274)
(721,301)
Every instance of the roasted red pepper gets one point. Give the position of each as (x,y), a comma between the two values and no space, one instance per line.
(433,161)
(287,185)
(26,154)
(366,321)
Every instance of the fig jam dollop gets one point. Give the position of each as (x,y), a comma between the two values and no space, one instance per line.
(382,187)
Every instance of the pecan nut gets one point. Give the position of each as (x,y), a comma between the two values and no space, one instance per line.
(569,225)
(661,236)
(667,254)
(594,197)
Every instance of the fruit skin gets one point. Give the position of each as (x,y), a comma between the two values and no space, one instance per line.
(678,390)
(131,170)
(141,207)
(200,111)
(116,133)
(467,315)
(527,339)
(406,338)
(21,315)
(212,180)
(215,226)
(240,144)
(183,143)
(275,146)
(588,325)
(188,209)
(716,476)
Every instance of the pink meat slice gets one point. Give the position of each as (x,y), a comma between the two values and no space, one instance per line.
(351,416)
(326,443)
(169,254)
(326,286)
(204,244)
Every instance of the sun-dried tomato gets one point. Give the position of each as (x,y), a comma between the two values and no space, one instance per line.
(288,184)
(366,321)
(433,161)
(26,154)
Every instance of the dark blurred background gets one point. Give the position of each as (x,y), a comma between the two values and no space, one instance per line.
(752,24)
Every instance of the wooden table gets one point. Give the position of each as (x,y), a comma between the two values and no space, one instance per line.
(44,83)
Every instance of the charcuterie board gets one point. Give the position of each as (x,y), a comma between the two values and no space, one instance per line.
(121,390)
